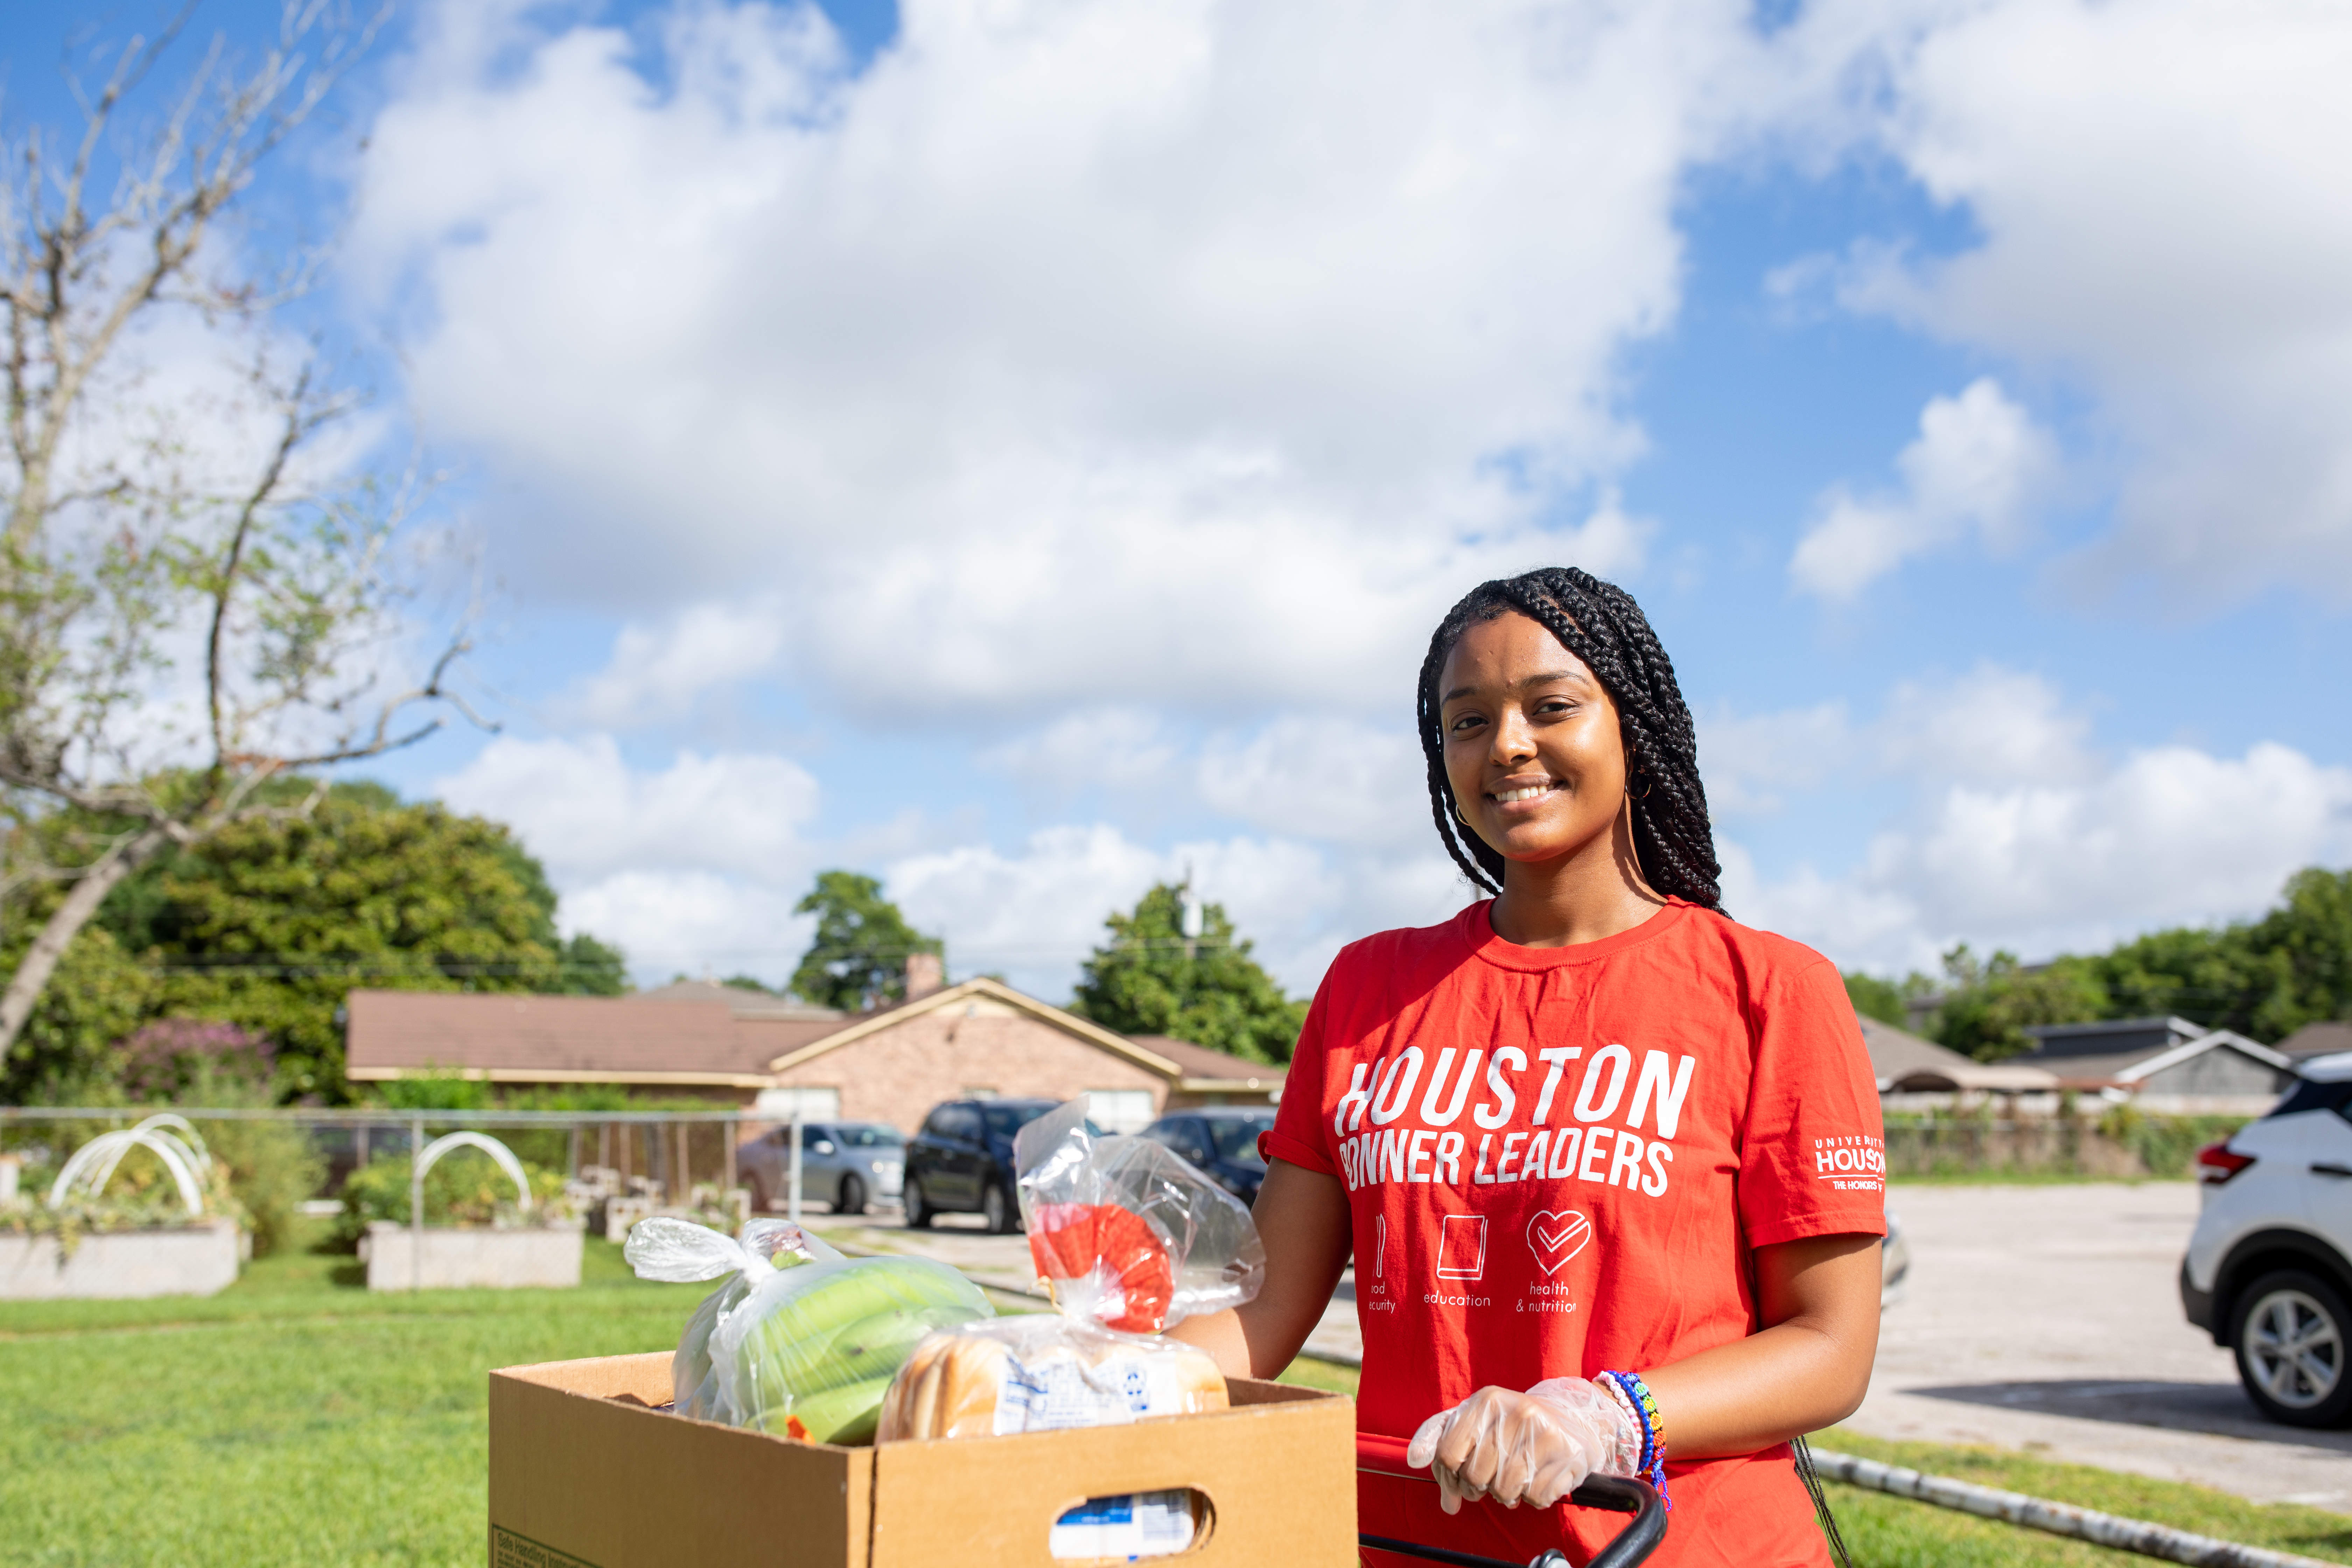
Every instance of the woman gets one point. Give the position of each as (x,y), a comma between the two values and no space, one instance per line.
(1608,1165)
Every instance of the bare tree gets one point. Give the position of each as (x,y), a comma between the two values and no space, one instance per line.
(196,598)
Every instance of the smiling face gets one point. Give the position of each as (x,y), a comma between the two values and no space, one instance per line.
(1532,745)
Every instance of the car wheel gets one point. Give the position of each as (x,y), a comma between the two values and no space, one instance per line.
(2292,1330)
(998,1210)
(851,1196)
(919,1211)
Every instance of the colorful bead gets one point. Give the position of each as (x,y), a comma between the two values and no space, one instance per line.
(1654,1429)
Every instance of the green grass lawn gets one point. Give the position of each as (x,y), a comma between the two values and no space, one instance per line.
(292,1419)
(296,1418)
(1895,1533)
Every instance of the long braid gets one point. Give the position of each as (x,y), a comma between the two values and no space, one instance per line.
(1601,624)
(1484,876)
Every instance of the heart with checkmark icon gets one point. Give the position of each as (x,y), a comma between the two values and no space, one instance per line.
(1557,1236)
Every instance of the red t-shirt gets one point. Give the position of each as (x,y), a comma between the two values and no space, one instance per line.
(1558,1161)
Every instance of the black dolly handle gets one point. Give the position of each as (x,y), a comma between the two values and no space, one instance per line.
(1618,1494)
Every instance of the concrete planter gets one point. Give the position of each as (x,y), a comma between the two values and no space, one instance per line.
(464,1260)
(196,1260)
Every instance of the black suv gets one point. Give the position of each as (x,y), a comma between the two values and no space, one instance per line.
(963,1161)
(1221,1140)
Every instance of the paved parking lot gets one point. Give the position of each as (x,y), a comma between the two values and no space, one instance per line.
(2048,1318)
(2041,1318)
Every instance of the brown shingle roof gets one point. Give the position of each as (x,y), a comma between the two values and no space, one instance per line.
(548,1039)
(1902,1060)
(2316,1040)
(565,1038)
(742,1003)
(1200,1061)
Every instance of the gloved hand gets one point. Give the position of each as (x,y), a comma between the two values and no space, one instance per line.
(1534,1447)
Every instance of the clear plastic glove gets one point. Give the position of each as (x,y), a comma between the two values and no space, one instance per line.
(1534,1447)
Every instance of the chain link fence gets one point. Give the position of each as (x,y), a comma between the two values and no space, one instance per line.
(282,1170)
(2122,1145)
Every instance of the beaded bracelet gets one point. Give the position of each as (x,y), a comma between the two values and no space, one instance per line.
(1654,1429)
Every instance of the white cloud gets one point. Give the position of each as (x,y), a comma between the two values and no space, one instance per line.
(1751,762)
(1332,779)
(2167,836)
(581,808)
(1085,352)
(2156,186)
(1977,466)
(657,673)
(695,866)
(1123,750)
(1035,913)
(1992,726)
(692,922)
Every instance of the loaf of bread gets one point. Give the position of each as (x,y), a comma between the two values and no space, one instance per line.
(1041,1373)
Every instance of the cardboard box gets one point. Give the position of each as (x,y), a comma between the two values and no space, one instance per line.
(586,1472)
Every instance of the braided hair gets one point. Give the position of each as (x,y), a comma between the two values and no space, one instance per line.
(1600,624)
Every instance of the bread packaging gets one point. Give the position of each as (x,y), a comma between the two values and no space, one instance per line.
(1129,1239)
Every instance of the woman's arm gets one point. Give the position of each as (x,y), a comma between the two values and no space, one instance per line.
(1808,1368)
(1302,1216)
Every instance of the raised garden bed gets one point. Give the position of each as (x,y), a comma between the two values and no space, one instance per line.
(464,1259)
(197,1259)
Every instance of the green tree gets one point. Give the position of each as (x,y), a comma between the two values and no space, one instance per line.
(1874,998)
(2265,978)
(152,534)
(98,995)
(859,958)
(2307,942)
(1149,979)
(1989,1003)
(2215,977)
(591,968)
(272,922)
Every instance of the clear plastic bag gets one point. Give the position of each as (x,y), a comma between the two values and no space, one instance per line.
(806,1349)
(1129,1233)
(678,1251)
(1042,1372)
(1130,1239)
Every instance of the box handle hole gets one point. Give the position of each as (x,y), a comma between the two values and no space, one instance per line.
(1132,1526)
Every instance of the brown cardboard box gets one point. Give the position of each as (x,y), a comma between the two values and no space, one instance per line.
(584,1473)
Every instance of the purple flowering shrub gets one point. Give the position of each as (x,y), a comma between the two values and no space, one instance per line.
(162,1059)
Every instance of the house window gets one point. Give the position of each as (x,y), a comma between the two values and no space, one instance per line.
(1119,1109)
(808,1104)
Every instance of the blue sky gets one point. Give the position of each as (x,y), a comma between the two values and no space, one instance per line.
(1021,454)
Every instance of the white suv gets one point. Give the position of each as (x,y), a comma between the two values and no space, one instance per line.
(2269,1270)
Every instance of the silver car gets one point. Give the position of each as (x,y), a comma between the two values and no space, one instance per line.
(845,1165)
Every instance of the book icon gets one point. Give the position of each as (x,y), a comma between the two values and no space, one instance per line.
(1462,1246)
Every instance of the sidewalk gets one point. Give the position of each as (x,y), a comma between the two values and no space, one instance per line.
(2047,1318)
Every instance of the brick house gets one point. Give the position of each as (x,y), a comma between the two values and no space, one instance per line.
(977,1037)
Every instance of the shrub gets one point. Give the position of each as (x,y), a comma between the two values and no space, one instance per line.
(2165,1144)
(434,1090)
(162,1060)
(464,1187)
